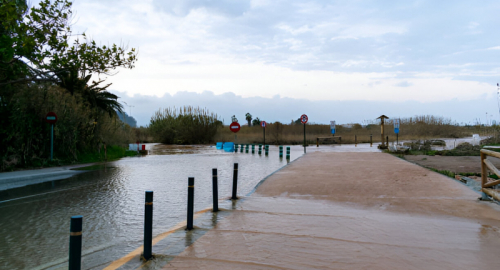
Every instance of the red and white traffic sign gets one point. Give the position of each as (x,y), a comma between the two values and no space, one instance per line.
(263,124)
(51,118)
(234,127)
(303,119)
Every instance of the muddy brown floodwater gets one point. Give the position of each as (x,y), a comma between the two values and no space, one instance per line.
(353,211)
(34,220)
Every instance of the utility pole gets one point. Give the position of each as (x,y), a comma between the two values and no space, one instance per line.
(130,108)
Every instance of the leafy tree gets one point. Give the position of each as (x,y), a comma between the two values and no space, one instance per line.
(45,67)
(39,48)
(256,122)
(248,117)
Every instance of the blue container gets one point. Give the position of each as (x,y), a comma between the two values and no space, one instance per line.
(219,145)
(229,147)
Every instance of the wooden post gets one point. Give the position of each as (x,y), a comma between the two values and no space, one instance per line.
(382,143)
(484,177)
(382,130)
(484,173)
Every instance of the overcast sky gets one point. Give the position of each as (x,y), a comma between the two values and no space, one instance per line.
(280,59)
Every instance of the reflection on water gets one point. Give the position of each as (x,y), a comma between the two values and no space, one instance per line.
(34,221)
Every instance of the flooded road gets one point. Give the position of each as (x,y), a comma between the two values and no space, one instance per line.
(34,223)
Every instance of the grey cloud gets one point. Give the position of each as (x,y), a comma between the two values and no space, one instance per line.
(312,35)
(285,109)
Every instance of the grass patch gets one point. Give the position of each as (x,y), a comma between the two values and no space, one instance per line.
(113,153)
(443,172)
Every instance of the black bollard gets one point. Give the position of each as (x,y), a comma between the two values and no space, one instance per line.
(371,142)
(288,152)
(235,182)
(267,150)
(387,140)
(190,203)
(148,226)
(281,150)
(246,149)
(356,140)
(235,148)
(215,191)
(75,243)
(253,148)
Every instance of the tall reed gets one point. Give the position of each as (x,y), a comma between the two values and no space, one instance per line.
(186,125)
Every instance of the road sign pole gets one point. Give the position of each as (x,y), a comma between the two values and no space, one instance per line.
(397,138)
(264,129)
(304,138)
(51,141)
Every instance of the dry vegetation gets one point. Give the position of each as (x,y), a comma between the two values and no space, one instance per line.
(413,128)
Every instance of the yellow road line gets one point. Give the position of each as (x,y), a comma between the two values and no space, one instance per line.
(118,263)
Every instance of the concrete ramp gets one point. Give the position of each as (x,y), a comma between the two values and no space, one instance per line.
(352,211)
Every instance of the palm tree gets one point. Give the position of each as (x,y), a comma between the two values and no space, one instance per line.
(248,117)
(97,97)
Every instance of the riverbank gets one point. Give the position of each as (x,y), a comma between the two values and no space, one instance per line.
(16,179)
(352,211)
(30,176)
(112,153)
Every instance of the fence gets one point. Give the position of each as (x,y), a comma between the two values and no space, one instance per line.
(486,165)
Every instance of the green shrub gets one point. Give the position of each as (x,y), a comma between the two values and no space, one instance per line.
(188,125)
(463,149)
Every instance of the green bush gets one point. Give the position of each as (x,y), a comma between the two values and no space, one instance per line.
(188,125)
(463,149)
(27,136)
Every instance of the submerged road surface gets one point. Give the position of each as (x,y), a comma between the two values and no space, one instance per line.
(352,211)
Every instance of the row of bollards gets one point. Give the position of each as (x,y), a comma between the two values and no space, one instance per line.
(261,147)
(75,239)
(75,242)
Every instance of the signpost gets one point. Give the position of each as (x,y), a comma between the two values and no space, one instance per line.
(51,118)
(382,144)
(263,125)
(303,120)
(235,127)
(332,127)
(396,130)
